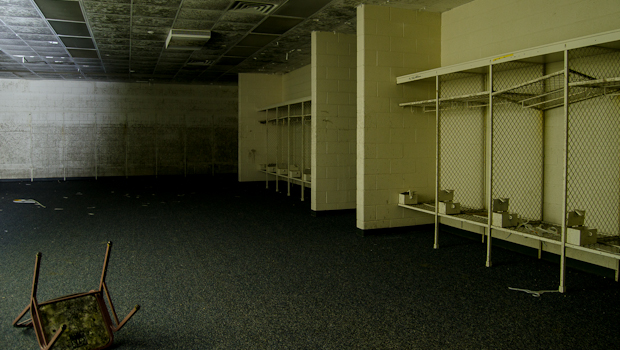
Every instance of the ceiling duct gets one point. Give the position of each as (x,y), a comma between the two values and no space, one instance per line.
(180,39)
(259,8)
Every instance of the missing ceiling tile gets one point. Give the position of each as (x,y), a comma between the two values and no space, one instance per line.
(260,8)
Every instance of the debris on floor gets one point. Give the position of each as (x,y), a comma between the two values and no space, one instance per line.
(28,201)
(534,293)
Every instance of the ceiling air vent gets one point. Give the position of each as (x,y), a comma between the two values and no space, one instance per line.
(261,8)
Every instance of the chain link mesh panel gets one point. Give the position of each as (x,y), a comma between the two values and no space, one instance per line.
(518,136)
(593,177)
(462,140)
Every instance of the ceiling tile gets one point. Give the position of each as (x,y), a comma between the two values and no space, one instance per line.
(21,22)
(277,25)
(19,12)
(70,28)
(240,17)
(108,8)
(193,24)
(168,3)
(232,27)
(300,8)
(32,30)
(98,19)
(80,53)
(199,15)
(82,43)
(154,11)
(242,51)
(151,22)
(206,5)
(64,10)
(257,40)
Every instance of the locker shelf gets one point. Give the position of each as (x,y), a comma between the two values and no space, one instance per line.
(499,134)
(290,122)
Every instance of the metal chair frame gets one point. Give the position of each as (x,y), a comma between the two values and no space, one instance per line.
(47,341)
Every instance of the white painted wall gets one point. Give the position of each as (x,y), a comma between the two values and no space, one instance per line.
(485,28)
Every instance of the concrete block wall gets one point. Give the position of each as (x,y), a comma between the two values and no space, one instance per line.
(484,28)
(296,84)
(89,129)
(395,146)
(255,92)
(334,120)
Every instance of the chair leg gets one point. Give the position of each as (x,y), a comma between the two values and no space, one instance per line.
(55,337)
(27,323)
(133,311)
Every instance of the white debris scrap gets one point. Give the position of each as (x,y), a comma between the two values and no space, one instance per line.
(28,201)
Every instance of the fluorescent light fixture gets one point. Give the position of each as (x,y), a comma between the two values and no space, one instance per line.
(180,39)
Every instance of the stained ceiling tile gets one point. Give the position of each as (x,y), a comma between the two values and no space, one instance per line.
(232,27)
(168,3)
(19,12)
(11,42)
(32,30)
(23,22)
(98,19)
(241,17)
(109,8)
(199,15)
(193,24)
(206,5)
(151,22)
(154,11)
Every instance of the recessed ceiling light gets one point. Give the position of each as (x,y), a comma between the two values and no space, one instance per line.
(54,42)
(151,32)
(49,57)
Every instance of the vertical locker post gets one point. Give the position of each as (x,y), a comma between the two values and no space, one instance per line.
(303,145)
(562,287)
(490,169)
(288,150)
(277,147)
(437,153)
(267,148)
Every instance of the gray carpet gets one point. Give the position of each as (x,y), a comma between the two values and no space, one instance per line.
(220,265)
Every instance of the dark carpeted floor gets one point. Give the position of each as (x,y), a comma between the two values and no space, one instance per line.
(221,265)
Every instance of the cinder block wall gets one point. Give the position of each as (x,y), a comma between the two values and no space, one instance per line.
(484,28)
(57,129)
(395,146)
(255,92)
(296,84)
(334,75)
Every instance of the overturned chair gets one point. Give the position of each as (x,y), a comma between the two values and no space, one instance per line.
(76,321)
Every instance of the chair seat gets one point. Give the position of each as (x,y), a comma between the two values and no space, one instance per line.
(82,313)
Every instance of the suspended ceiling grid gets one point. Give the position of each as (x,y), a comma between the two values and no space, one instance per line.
(125,40)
